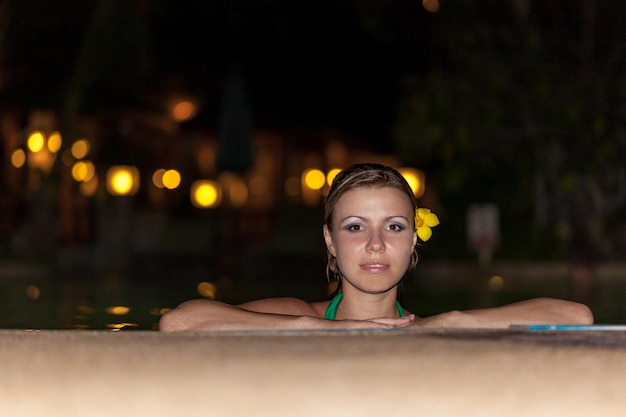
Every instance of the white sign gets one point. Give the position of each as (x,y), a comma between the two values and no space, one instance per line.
(483,227)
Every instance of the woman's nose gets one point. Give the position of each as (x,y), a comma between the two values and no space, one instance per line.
(376,243)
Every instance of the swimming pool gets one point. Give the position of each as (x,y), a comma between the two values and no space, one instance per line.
(37,298)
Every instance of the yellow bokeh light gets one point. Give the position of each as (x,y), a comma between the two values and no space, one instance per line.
(183,110)
(35,141)
(415,178)
(122,180)
(205,194)
(83,171)
(118,310)
(54,142)
(91,171)
(171,179)
(314,179)
(157,178)
(18,158)
(331,175)
(207,290)
(80,148)
(79,171)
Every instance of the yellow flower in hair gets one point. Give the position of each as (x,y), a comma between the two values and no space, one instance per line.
(424,220)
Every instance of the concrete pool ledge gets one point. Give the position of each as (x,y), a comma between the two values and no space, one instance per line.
(370,373)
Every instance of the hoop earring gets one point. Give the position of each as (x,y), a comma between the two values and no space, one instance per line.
(414,259)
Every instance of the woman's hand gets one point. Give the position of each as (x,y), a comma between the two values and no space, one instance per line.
(395,321)
(376,323)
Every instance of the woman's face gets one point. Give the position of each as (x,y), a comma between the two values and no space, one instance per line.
(372,237)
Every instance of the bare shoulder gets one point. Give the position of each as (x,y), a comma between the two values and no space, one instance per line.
(284,305)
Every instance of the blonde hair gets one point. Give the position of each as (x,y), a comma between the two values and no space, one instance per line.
(359,176)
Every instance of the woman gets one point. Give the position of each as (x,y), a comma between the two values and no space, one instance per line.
(371,231)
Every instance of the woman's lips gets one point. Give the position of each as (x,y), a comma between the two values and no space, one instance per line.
(374,267)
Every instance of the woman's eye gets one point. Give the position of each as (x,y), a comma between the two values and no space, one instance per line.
(396,227)
(354,228)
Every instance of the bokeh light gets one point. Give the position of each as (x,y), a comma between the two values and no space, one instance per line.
(207,290)
(35,141)
(331,175)
(205,194)
(313,179)
(18,158)
(118,310)
(415,178)
(80,148)
(183,111)
(157,178)
(496,283)
(171,179)
(122,180)
(54,142)
(83,171)
(431,5)
(33,292)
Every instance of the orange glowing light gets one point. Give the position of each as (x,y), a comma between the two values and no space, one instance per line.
(207,289)
(183,111)
(80,148)
(157,178)
(118,310)
(54,142)
(18,158)
(171,179)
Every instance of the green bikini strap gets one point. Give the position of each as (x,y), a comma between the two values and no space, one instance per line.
(400,309)
(331,311)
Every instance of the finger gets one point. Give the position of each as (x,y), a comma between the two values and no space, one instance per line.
(395,321)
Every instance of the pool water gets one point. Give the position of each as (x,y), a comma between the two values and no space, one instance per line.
(130,301)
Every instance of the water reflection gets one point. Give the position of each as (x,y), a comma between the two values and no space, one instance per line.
(116,327)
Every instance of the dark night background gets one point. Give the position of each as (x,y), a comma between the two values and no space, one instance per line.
(517,103)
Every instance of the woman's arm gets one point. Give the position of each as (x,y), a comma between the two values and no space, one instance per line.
(534,311)
(266,314)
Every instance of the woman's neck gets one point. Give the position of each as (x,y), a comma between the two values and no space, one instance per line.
(357,305)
